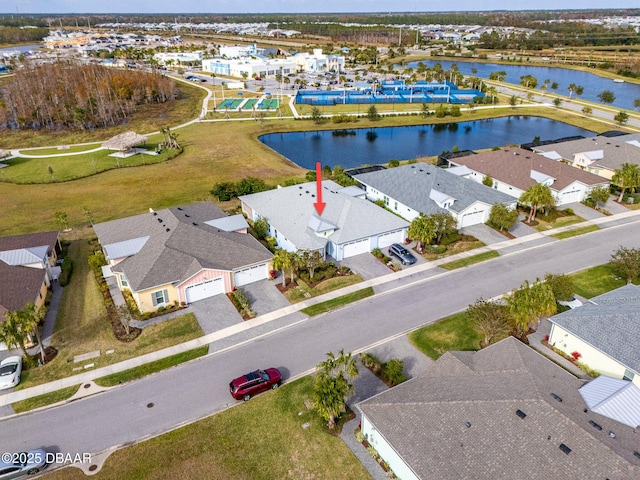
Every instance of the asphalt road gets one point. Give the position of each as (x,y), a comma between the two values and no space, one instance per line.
(199,388)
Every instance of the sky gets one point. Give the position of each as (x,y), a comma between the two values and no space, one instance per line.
(293,6)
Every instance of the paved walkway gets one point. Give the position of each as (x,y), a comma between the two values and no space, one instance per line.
(291,314)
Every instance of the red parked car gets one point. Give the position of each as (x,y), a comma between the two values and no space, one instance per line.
(250,384)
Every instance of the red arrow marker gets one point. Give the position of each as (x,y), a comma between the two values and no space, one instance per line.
(319,204)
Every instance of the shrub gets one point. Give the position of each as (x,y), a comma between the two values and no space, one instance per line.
(393,372)
(376,252)
(65,273)
(394,163)
(568,211)
(436,249)
(449,238)
(386,259)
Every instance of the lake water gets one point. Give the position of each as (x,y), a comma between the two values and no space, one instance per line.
(593,84)
(369,146)
(21,48)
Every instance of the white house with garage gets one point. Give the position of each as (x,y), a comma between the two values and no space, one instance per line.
(605,332)
(514,170)
(182,254)
(349,225)
(424,188)
(600,155)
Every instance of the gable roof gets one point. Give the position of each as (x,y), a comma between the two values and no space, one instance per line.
(513,166)
(614,398)
(290,209)
(20,285)
(610,323)
(460,420)
(421,185)
(171,245)
(607,152)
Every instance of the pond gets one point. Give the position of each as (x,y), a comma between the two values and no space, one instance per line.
(593,84)
(368,146)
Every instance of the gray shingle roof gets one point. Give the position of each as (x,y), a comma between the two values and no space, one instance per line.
(412,184)
(180,244)
(614,151)
(425,420)
(289,209)
(610,323)
(513,166)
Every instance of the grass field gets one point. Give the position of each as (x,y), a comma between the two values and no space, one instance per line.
(304,291)
(464,262)
(262,439)
(451,333)
(576,231)
(323,307)
(82,326)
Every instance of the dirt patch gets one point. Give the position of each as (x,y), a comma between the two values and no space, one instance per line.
(49,354)
(503,233)
(288,285)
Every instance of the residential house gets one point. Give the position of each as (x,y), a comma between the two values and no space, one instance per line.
(349,224)
(600,155)
(503,412)
(182,254)
(424,188)
(27,267)
(605,332)
(514,170)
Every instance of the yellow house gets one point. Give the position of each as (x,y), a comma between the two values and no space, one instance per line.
(603,334)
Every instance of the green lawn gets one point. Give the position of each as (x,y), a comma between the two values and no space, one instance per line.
(449,334)
(73,167)
(576,231)
(59,150)
(465,262)
(43,400)
(338,302)
(153,367)
(545,224)
(597,280)
(304,292)
(262,439)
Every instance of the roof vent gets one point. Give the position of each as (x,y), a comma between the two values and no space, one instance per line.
(300,188)
(155,214)
(637,454)
(159,220)
(565,449)
(556,397)
(520,413)
(595,425)
(306,191)
(612,434)
(468,424)
(186,215)
(168,229)
(313,196)
(180,208)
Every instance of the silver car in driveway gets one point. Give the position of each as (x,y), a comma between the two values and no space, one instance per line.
(10,370)
(405,256)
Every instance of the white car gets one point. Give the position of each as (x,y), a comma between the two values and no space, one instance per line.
(573,303)
(10,370)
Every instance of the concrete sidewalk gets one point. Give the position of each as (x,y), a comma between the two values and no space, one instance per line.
(289,315)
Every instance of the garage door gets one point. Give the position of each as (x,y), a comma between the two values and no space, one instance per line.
(250,275)
(389,238)
(205,289)
(572,196)
(472,218)
(355,248)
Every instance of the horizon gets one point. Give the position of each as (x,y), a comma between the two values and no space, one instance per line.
(270,7)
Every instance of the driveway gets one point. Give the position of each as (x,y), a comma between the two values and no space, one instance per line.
(521,229)
(614,207)
(583,211)
(484,233)
(365,265)
(214,313)
(265,296)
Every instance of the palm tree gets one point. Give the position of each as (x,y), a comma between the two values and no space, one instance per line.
(537,196)
(333,385)
(30,319)
(282,260)
(529,303)
(628,176)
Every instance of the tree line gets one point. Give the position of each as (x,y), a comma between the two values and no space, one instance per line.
(70,96)
(11,35)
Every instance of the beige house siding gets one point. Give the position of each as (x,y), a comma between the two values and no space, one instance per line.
(144,298)
(590,356)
